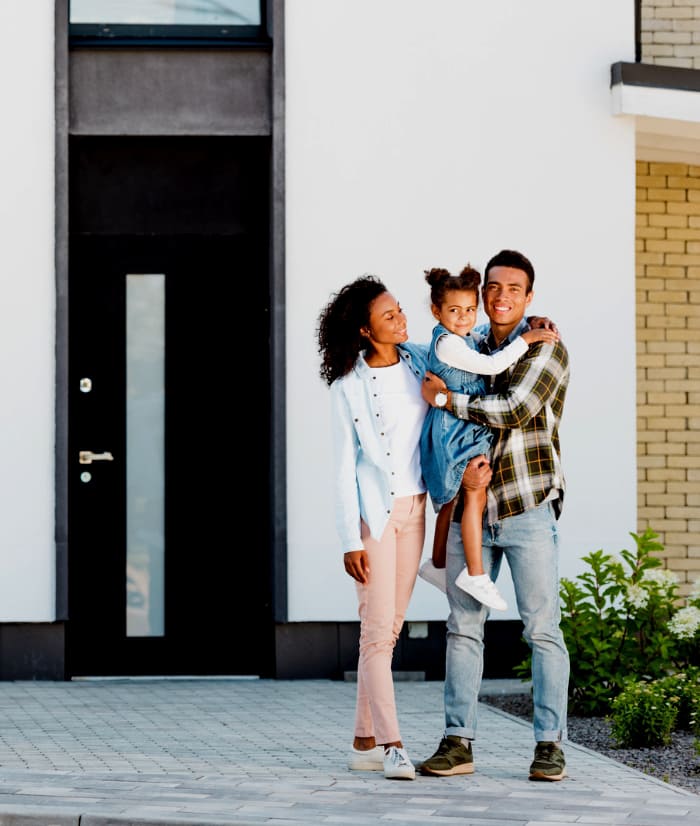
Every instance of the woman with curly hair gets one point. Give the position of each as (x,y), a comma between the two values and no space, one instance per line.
(377,408)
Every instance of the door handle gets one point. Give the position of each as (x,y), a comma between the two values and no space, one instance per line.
(87,457)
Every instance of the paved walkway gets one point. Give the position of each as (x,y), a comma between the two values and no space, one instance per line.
(225,751)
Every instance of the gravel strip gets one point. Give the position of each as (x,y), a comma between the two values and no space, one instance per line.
(676,763)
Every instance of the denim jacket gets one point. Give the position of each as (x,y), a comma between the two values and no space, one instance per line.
(363,460)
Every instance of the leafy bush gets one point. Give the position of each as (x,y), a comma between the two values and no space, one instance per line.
(644,715)
(621,622)
(685,686)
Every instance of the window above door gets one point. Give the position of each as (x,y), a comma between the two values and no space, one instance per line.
(168,22)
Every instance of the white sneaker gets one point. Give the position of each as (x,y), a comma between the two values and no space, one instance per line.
(370,760)
(435,576)
(397,766)
(481,588)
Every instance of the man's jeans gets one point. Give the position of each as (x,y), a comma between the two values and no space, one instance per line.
(529,542)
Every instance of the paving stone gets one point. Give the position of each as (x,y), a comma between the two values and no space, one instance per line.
(158,752)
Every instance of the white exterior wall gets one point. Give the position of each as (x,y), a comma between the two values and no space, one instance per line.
(422,135)
(27,555)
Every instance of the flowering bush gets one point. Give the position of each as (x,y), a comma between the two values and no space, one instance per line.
(646,713)
(622,623)
(685,628)
(685,687)
(684,625)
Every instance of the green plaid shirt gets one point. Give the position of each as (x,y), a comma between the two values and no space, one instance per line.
(524,410)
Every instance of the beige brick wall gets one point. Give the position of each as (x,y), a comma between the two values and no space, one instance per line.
(668,361)
(670,32)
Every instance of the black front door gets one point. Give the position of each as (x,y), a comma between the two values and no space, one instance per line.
(169,463)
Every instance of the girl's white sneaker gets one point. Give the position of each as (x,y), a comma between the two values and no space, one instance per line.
(435,576)
(481,588)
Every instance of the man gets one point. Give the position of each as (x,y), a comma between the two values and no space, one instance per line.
(524,501)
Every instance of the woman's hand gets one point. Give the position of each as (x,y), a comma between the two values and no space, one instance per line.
(357,565)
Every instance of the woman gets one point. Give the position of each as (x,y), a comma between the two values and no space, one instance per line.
(377,416)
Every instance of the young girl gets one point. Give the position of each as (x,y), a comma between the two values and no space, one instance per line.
(377,415)
(448,443)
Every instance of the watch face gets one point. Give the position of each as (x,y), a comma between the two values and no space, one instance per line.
(441,399)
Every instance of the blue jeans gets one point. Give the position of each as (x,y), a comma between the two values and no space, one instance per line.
(529,542)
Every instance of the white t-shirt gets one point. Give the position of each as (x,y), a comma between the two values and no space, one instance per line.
(403,411)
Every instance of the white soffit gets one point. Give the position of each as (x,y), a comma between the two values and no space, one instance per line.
(667,121)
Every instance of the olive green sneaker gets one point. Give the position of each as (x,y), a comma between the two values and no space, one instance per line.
(549,763)
(452,757)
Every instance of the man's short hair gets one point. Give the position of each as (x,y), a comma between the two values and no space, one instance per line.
(514,259)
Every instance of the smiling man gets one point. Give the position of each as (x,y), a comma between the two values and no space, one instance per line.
(524,501)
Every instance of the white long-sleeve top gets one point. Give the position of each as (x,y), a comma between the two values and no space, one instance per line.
(454,350)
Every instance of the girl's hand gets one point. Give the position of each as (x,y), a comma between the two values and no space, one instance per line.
(357,565)
(540,334)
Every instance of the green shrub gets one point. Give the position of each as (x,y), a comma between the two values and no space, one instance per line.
(685,686)
(644,715)
(621,622)
(615,620)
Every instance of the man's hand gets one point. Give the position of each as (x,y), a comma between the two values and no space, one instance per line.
(357,565)
(542,322)
(431,386)
(477,473)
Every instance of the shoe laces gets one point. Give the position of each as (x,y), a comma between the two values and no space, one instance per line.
(396,756)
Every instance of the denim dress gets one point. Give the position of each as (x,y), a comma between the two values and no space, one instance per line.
(448,443)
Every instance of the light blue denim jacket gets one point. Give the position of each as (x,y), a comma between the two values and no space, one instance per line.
(363,460)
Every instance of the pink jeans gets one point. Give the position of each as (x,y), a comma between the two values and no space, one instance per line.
(393,567)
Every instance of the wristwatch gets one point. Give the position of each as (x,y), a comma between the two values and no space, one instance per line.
(441,399)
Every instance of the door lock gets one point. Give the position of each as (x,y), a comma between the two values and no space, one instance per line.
(87,457)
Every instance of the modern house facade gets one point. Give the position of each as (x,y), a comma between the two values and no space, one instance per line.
(185,187)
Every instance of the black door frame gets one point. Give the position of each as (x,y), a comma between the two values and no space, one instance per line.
(264,89)
(86,214)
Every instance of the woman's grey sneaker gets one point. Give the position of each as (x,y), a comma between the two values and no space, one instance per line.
(397,766)
(452,757)
(371,760)
(549,763)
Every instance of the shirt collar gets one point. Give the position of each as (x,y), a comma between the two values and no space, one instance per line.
(490,343)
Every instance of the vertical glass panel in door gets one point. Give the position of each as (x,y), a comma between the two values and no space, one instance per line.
(167,12)
(145,455)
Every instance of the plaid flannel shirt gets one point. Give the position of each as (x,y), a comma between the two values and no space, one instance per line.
(524,409)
